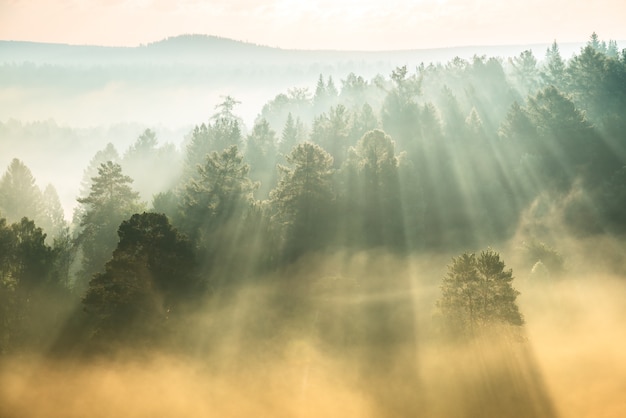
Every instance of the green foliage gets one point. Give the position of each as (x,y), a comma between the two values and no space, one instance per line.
(261,154)
(221,134)
(363,121)
(452,115)
(110,201)
(146,281)
(303,201)
(30,276)
(331,132)
(399,112)
(33,256)
(552,128)
(525,71)
(377,194)
(611,198)
(296,101)
(143,146)
(475,143)
(292,134)
(553,72)
(19,195)
(109,153)
(222,189)
(476,293)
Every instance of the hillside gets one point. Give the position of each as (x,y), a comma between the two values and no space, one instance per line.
(204,49)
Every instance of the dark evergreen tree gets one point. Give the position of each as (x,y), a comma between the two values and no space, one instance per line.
(303,200)
(565,139)
(146,282)
(28,280)
(379,191)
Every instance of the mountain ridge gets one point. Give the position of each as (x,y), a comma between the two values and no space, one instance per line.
(187,47)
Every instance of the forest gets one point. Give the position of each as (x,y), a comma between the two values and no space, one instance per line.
(445,240)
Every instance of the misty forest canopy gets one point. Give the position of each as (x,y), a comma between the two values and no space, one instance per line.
(432,157)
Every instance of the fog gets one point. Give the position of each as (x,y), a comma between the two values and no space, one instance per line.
(567,362)
(203,227)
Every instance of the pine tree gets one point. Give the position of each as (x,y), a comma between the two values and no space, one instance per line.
(292,134)
(54,217)
(379,192)
(553,71)
(303,199)
(261,154)
(145,282)
(110,201)
(477,293)
(19,195)
(220,192)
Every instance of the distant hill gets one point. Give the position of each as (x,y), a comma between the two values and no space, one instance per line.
(212,50)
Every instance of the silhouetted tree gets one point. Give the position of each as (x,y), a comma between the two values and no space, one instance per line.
(27,278)
(146,282)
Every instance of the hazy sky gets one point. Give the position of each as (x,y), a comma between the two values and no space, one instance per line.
(315,24)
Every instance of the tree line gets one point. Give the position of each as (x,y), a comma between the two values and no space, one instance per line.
(439,158)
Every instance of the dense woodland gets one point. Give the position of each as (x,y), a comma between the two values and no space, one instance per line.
(432,158)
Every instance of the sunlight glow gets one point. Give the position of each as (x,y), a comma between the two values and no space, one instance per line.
(320,24)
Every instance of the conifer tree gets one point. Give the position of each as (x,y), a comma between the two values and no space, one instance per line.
(477,293)
(110,201)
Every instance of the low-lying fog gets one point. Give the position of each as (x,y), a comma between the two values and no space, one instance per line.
(568,361)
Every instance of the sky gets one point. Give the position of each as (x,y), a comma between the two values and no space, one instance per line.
(315,24)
